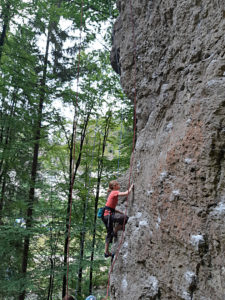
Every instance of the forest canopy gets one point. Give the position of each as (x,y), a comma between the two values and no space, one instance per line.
(65,132)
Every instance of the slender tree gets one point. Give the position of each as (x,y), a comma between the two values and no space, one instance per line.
(99,177)
(5,24)
(73,173)
(37,136)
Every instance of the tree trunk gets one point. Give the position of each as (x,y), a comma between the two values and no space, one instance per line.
(51,279)
(100,169)
(2,198)
(54,242)
(37,136)
(4,28)
(72,179)
(82,235)
(6,143)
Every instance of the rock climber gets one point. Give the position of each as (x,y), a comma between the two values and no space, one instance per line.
(111,215)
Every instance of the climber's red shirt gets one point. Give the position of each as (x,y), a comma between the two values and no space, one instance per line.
(111,201)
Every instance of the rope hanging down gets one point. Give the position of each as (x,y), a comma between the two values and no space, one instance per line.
(74,150)
(120,142)
(133,145)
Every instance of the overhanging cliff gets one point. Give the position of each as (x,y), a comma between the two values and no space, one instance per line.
(175,239)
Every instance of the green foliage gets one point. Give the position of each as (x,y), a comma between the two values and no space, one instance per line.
(39,64)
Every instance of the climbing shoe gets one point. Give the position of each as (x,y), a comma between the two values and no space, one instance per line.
(107,254)
(115,234)
(112,257)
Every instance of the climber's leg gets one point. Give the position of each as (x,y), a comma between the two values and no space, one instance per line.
(120,219)
(109,227)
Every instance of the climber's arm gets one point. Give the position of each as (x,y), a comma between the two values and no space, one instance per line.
(127,192)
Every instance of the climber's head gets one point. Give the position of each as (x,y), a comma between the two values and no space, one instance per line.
(113,185)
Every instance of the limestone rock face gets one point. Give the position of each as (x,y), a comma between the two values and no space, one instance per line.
(174,246)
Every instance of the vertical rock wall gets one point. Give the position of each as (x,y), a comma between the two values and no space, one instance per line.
(174,244)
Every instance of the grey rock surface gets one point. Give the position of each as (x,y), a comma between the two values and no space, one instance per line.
(174,245)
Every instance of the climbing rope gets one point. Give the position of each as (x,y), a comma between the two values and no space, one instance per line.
(120,142)
(133,145)
(74,149)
